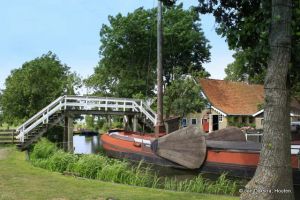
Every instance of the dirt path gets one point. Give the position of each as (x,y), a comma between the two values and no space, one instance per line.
(3,153)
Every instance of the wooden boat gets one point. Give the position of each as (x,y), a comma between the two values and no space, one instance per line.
(238,158)
(133,146)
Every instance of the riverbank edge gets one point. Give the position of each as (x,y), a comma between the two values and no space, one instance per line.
(20,180)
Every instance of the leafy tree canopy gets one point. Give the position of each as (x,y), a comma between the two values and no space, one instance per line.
(36,84)
(182,96)
(246,26)
(168,2)
(128,51)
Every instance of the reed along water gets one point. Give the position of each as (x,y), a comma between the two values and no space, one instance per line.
(89,144)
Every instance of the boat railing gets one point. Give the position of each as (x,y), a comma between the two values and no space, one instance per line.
(255,137)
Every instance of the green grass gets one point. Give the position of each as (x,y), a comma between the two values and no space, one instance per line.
(20,180)
(46,155)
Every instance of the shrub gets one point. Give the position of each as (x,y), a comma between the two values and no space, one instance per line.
(60,161)
(88,166)
(43,149)
(42,163)
(116,172)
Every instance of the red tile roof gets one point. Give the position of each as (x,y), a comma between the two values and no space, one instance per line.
(233,98)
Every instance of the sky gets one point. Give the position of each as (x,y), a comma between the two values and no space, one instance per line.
(70,29)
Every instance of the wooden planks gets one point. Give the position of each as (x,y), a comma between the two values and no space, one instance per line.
(185,146)
(8,137)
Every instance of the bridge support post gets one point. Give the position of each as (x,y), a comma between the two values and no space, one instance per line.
(109,121)
(65,136)
(134,123)
(125,122)
(70,135)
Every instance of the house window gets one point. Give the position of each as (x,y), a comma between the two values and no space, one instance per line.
(220,118)
(251,120)
(262,122)
(244,119)
(184,122)
(193,121)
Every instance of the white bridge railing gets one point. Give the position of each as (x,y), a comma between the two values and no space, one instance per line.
(85,103)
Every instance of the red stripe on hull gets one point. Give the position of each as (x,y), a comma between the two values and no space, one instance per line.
(238,158)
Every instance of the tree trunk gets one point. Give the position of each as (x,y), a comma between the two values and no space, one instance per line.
(273,176)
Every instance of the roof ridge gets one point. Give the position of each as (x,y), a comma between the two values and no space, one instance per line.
(234,82)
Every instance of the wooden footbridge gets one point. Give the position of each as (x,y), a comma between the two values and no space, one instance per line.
(63,109)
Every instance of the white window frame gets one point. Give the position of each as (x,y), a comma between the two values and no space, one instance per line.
(192,121)
(220,118)
(186,122)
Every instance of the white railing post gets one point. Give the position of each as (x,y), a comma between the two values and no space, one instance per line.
(47,120)
(86,103)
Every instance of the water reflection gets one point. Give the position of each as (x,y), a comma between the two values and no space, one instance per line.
(85,144)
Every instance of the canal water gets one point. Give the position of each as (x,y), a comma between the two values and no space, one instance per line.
(86,144)
(91,144)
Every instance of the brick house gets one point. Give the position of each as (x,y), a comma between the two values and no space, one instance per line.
(232,104)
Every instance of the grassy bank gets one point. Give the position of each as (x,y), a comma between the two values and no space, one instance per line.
(20,180)
(46,155)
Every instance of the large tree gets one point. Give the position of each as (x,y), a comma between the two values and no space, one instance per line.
(128,51)
(274,171)
(182,97)
(33,86)
(269,21)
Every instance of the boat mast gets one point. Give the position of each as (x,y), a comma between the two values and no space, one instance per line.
(159,120)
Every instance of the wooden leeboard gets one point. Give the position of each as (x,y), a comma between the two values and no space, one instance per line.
(227,134)
(186,147)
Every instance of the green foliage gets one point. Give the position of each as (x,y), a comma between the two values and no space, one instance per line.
(99,124)
(88,166)
(182,96)
(95,124)
(169,2)
(1,119)
(60,161)
(198,184)
(90,121)
(33,86)
(106,127)
(116,124)
(43,150)
(233,121)
(47,156)
(128,51)
(241,69)
(55,135)
(246,26)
